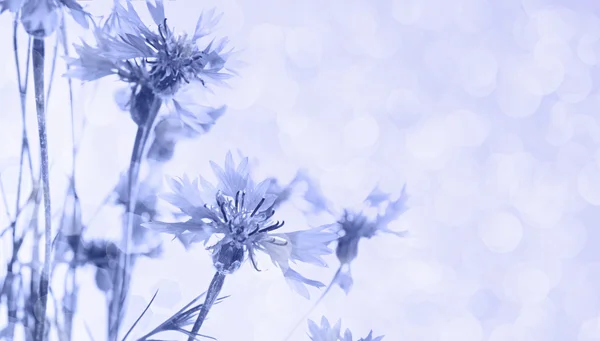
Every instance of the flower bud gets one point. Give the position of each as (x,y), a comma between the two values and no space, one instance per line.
(228,258)
(40,18)
(347,249)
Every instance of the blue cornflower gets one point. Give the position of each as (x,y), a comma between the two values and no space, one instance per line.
(160,59)
(327,332)
(40,18)
(354,226)
(351,228)
(240,212)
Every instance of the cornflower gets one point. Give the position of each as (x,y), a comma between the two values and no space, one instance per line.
(240,213)
(160,61)
(156,64)
(355,226)
(327,332)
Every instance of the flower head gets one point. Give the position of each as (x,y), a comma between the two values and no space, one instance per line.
(40,18)
(240,212)
(158,59)
(327,332)
(356,225)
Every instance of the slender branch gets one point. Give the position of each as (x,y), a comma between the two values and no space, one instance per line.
(38,56)
(211,296)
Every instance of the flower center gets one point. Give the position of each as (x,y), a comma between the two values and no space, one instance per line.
(178,61)
(243,222)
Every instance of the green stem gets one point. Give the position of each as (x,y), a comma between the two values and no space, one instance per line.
(211,296)
(38,52)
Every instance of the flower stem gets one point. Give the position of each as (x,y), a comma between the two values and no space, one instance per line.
(38,80)
(150,105)
(69,308)
(8,287)
(211,295)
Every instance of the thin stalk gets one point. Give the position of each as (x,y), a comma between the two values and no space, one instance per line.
(211,296)
(140,317)
(121,281)
(16,243)
(32,299)
(59,330)
(52,70)
(70,309)
(38,53)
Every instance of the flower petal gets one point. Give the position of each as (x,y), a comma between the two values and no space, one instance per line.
(205,24)
(256,195)
(156,11)
(10,5)
(231,182)
(187,197)
(298,282)
(310,245)
(347,335)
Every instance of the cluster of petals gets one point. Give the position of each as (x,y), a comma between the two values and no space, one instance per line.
(327,332)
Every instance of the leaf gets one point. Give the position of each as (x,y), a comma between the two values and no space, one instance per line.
(140,317)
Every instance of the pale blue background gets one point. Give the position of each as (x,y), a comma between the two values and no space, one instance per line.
(487,110)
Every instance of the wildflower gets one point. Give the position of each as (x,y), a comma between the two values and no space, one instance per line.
(326,332)
(355,226)
(241,212)
(352,228)
(159,60)
(40,18)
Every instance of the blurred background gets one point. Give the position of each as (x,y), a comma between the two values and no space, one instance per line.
(486,110)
